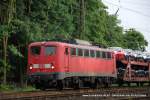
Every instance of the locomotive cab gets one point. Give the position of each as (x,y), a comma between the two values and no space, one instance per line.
(41,58)
(42,62)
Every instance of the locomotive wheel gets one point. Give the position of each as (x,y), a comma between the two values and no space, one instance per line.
(120,83)
(129,84)
(59,84)
(138,84)
(76,83)
(106,85)
(40,86)
(76,86)
(37,85)
(43,88)
(94,84)
(141,83)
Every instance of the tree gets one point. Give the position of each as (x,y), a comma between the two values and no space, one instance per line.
(135,40)
(26,21)
(8,10)
(82,19)
(113,32)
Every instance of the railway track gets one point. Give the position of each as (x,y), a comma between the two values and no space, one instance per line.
(103,93)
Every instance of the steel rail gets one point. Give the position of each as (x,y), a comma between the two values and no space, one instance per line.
(122,92)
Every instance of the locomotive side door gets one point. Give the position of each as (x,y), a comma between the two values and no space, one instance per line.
(66,59)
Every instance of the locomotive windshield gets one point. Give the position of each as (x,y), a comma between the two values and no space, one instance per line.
(50,50)
(35,50)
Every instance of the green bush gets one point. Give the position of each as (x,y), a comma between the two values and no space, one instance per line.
(6,87)
(13,88)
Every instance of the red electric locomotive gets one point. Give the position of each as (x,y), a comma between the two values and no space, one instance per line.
(58,64)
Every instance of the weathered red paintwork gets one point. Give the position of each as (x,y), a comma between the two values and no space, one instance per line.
(68,63)
(119,55)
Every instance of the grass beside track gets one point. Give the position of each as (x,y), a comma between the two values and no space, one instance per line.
(86,93)
(13,88)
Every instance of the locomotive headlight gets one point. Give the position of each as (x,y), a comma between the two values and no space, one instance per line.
(30,67)
(53,67)
(49,66)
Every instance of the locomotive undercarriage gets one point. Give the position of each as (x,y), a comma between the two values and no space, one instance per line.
(74,82)
(82,82)
(91,81)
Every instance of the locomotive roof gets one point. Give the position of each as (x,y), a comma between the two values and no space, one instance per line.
(68,44)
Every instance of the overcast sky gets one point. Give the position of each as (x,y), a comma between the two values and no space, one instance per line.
(133,14)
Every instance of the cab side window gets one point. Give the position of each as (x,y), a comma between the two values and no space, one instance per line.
(86,53)
(103,54)
(80,52)
(92,53)
(98,55)
(109,56)
(73,51)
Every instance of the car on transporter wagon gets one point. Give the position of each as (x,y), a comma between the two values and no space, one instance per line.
(55,64)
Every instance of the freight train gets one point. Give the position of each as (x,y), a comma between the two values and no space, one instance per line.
(59,65)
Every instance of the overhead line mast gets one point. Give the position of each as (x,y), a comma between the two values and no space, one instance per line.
(118,8)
